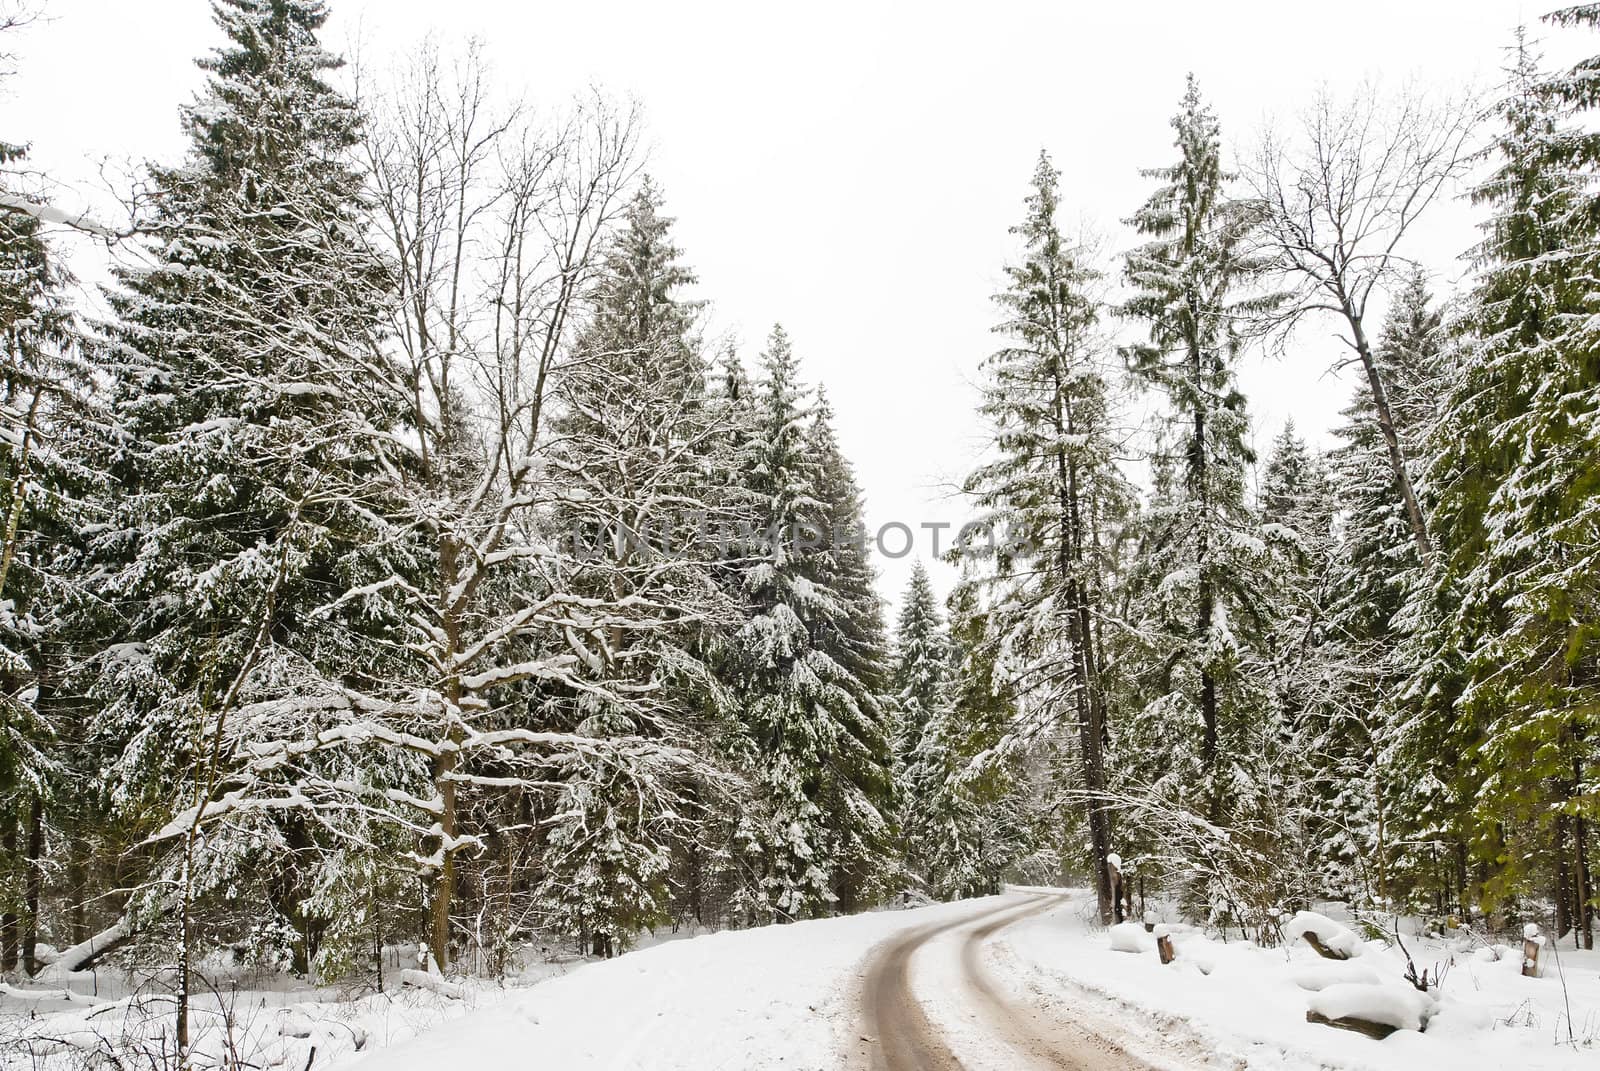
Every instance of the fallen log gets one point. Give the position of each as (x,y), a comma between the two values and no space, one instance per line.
(82,956)
(1323,950)
(424,980)
(1377,1031)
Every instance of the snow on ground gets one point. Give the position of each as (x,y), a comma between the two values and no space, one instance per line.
(1248,1004)
(789,997)
(241,1015)
(770,997)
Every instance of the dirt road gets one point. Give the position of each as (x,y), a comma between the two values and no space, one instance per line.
(900,1036)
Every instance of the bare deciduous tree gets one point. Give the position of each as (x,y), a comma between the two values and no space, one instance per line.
(1338,200)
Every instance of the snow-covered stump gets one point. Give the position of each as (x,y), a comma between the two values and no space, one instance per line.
(1533,942)
(1164,948)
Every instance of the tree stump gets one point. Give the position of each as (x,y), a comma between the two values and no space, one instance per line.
(1164,948)
(1378,1031)
(1531,947)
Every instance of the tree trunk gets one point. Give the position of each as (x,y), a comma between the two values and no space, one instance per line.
(1391,439)
(8,921)
(1564,891)
(444,765)
(33,879)
(1200,487)
(1087,696)
(1582,879)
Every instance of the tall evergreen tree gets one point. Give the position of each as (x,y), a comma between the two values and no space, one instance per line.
(1047,495)
(1515,458)
(252,417)
(47,494)
(921,688)
(637,436)
(1204,568)
(922,668)
(814,731)
(1364,783)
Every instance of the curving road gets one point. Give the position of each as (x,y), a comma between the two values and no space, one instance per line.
(900,1036)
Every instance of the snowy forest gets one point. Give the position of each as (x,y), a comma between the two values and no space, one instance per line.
(391,557)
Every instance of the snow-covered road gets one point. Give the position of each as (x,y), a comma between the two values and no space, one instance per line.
(920,1026)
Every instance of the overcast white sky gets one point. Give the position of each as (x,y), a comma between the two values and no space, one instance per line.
(851,169)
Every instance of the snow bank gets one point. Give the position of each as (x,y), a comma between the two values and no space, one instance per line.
(1337,939)
(1251,1010)
(1399,1006)
(1331,972)
(1131,937)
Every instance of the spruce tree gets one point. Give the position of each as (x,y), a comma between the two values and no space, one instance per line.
(254,416)
(48,494)
(1507,678)
(1204,571)
(1372,798)
(813,730)
(921,688)
(1048,495)
(637,435)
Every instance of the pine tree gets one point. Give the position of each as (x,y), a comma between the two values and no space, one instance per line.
(1045,499)
(1204,571)
(1364,786)
(637,436)
(1514,463)
(854,639)
(46,493)
(922,668)
(253,415)
(814,733)
(921,686)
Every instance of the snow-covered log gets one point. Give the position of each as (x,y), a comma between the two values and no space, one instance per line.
(81,956)
(1374,1010)
(1330,939)
(424,980)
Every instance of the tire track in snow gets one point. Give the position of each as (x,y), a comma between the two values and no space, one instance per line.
(1048,1042)
(900,1037)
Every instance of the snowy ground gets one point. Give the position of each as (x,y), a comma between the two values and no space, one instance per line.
(1249,1010)
(1000,980)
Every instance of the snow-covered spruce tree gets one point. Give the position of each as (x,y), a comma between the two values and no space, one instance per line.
(46,489)
(1378,832)
(1204,577)
(854,637)
(922,670)
(963,801)
(921,686)
(638,455)
(814,736)
(254,419)
(1508,672)
(708,869)
(1044,498)
(980,812)
(1297,514)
